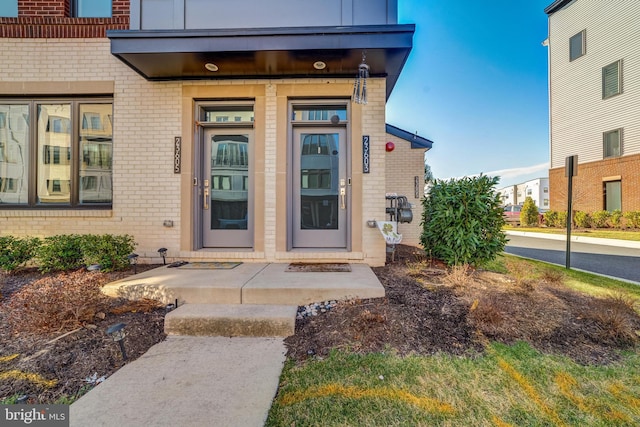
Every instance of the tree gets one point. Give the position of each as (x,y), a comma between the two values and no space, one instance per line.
(428,175)
(529,216)
(462,221)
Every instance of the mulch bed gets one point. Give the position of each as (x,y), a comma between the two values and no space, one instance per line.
(78,356)
(423,312)
(422,315)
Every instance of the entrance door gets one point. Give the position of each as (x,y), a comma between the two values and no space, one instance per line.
(320,199)
(227,205)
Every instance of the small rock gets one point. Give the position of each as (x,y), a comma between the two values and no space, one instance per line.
(101,315)
(90,326)
(381,377)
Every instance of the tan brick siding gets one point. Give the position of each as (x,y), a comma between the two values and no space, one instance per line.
(588,193)
(147,116)
(403,165)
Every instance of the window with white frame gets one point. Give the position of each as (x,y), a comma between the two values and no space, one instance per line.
(612,142)
(63,159)
(577,45)
(91,8)
(612,79)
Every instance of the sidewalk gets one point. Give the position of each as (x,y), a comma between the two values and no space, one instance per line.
(189,381)
(582,239)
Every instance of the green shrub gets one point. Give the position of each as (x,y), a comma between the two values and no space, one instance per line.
(462,221)
(562,219)
(60,253)
(582,219)
(600,219)
(15,252)
(107,250)
(633,219)
(529,216)
(551,218)
(616,218)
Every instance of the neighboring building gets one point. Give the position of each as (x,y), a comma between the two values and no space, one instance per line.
(594,101)
(219,130)
(537,189)
(508,195)
(405,177)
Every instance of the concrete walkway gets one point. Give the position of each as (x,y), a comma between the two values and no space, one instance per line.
(212,380)
(189,381)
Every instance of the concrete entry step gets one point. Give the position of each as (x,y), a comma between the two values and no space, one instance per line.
(231,320)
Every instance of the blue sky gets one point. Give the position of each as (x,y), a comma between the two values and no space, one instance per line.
(476,84)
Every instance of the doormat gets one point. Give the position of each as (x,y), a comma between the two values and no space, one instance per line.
(211,265)
(305,267)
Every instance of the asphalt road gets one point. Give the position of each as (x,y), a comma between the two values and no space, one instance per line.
(623,263)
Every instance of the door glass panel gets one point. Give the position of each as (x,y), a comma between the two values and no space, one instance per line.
(54,153)
(14,153)
(319,175)
(229,181)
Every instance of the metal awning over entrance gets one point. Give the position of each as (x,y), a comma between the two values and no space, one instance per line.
(265,52)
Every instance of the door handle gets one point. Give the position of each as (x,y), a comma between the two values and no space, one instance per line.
(206,199)
(343,198)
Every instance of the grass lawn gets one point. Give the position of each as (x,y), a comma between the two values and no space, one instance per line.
(509,385)
(506,385)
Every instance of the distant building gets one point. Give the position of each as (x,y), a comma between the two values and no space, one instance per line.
(594,101)
(537,189)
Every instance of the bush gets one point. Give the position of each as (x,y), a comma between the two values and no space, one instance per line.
(562,219)
(600,219)
(551,218)
(529,216)
(582,219)
(616,218)
(462,221)
(16,252)
(633,218)
(107,250)
(60,253)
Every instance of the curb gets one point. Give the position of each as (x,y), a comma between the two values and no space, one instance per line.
(582,239)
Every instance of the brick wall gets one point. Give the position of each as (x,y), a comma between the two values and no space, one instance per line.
(403,165)
(52,19)
(146,118)
(588,184)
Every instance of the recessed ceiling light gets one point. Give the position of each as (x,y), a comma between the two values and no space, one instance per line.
(211,66)
(319,65)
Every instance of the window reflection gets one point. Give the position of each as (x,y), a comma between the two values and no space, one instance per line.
(14,154)
(229,181)
(54,138)
(319,162)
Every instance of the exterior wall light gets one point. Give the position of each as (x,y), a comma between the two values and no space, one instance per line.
(319,65)
(390,146)
(116,332)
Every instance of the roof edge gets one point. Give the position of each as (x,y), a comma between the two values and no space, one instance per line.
(556,5)
(415,140)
